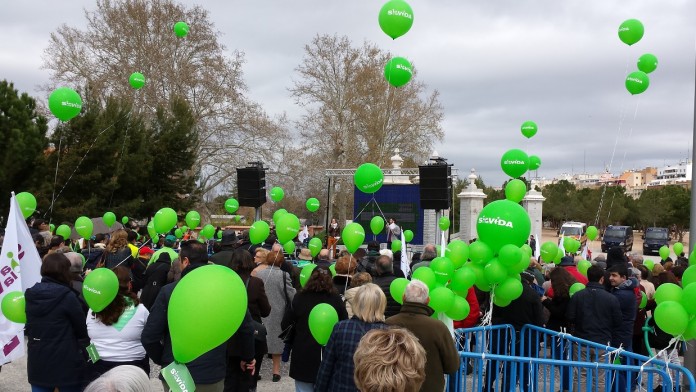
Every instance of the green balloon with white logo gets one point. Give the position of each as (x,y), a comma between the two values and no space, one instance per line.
(84,227)
(503,222)
(100,288)
(514,162)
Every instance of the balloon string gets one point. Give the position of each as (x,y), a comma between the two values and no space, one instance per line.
(55,180)
(387,111)
(118,164)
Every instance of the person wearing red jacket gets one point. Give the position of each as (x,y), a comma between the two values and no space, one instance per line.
(568,263)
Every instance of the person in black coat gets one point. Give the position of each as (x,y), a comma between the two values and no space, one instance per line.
(593,312)
(383,277)
(155,279)
(56,330)
(306,354)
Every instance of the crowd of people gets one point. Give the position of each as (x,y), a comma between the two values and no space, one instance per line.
(378,340)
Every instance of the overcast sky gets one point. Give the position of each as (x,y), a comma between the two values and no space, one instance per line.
(496,64)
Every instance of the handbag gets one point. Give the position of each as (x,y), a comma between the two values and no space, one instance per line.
(260,331)
(288,334)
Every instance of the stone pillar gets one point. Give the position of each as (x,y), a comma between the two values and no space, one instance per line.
(429,227)
(533,203)
(470,205)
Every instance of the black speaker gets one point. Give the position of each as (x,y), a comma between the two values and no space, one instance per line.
(251,186)
(435,187)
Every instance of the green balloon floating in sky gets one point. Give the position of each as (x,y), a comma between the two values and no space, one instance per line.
(231,205)
(647,63)
(503,222)
(631,31)
(109,218)
(312,204)
(368,178)
(534,162)
(136,80)
(65,103)
(376,224)
(529,129)
(395,18)
(514,162)
(277,194)
(637,82)
(398,71)
(181,29)
(27,203)
(515,190)
(353,236)
(84,227)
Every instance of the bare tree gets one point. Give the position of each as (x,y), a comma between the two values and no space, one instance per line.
(126,36)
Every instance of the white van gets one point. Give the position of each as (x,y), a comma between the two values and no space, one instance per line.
(575,230)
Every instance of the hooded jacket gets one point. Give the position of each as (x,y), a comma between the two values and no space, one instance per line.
(627,302)
(595,313)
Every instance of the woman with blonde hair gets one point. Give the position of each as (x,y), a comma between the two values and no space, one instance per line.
(337,367)
(117,251)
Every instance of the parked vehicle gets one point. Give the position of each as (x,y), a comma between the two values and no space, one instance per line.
(618,236)
(575,230)
(654,238)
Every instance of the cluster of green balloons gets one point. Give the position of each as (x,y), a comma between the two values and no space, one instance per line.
(550,252)
(637,82)
(368,178)
(676,308)
(137,80)
(65,103)
(27,203)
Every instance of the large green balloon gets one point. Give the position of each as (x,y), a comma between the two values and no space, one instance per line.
(462,280)
(181,29)
(231,205)
(583,266)
(314,246)
(353,236)
(408,235)
(443,269)
(312,204)
(534,162)
(647,63)
(459,310)
(109,218)
(322,319)
(687,300)
(100,288)
(287,227)
(509,255)
(193,219)
(165,219)
(480,252)
(398,71)
(671,317)
(678,248)
(137,80)
(13,307)
(64,231)
(668,292)
(278,213)
(425,275)
(575,287)
(208,232)
(529,129)
(27,203)
(631,31)
(509,289)
(592,233)
(396,245)
(376,224)
(503,222)
(277,194)
(664,252)
(495,272)
(443,223)
(395,18)
(151,231)
(206,308)
(258,232)
(84,227)
(368,178)
(689,276)
(515,190)
(306,273)
(514,162)
(65,103)
(441,299)
(397,288)
(458,252)
(637,82)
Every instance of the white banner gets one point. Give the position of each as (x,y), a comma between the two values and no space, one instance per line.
(18,254)
(405,264)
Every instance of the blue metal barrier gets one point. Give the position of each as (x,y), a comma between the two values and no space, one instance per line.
(499,339)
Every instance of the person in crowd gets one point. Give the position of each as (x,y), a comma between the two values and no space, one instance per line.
(429,253)
(655,274)
(39,243)
(535,269)
(389,360)
(337,367)
(323,259)
(155,279)
(56,330)
(568,263)
(227,242)
(43,229)
(345,268)
(93,253)
(334,233)
(124,378)
(393,232)
(681,260)
(383,277)
(305,255)
(306,355)
(358,280)
(367,262)
(594,313)
(561,280)
(532,244)
(167,246)
(645,281)
(117,251)
(259,307)
(115,330)
(260,255)
(76,272)
(433,335)
(279,289)
(615,255)
(208,370)
(132,238)
(623,291)
(396,262)
(57,244)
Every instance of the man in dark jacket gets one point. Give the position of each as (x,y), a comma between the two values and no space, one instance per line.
(594,313)
(383,277)
(442,357)
(622,289)
(224,256)
(429,253)
(367,263)
(208,370)
(155,280)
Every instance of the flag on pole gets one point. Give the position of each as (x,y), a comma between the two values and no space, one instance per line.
(20,269)
(405,265)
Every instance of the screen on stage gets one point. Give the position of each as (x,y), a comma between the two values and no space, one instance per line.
(401,202)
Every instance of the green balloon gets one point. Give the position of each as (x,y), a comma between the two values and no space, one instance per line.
(664,252)
(368,178)
(503,222)
(481,283)
(181,29)
(124,220)
(395,18)
(165,219)
(668,292)
(136,80)
(289,247)
(208,231)
(353,236)
(287,227)
(647,63)
(570,244)
(396,245)
(458,252)
(459,310)
(398,71)
(575,287)
(583,266)
(237,218)
(443,223)
(462,280)
(52,227)
(480,252)
(649,264)
(441,299)
(277,194)
(397,288)
(408,235)
(637,82)
(689,276)
(84,227)
(306,273)
(521,265)
(526,249)
(687,299)
(64,231)
(510,255)
(219,234)
(193,219)
(515,190)
(231,205)
(495,272)
(443,269)
(322,319)
(559,255)
(65,103)
(671,317)
(529,129)
(592,233)
(184,229)
(678,248)
(376,224)
(13,307)
(109,219)
(206,308)
(631,31)
(509,289)
(278,213)
(258,232)
(27,203)
(100,288)
(151,231)
(312,204)
(178,233)
(514,162)
(314,246)
(643,300)
(501,302)
(425,275)
(332,268)
(534,162)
